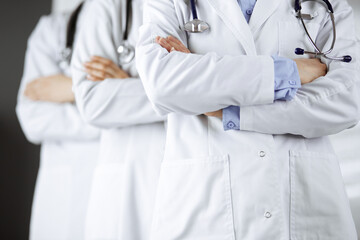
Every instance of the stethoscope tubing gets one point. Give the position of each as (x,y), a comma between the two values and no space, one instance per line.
(193,9)
(298,51)
(318,52)
(126,51)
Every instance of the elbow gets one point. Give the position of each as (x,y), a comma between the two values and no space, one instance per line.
(90,108)
(32,137)
(95,114)
(352,113)
(158,95)
(90,116)
(158,99)
(354,117)
(342,121)
(30,130)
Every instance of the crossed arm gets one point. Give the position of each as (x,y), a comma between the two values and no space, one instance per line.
(323,107)
(309,69)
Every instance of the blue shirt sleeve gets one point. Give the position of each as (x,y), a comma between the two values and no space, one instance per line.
(287,79)
(287,82)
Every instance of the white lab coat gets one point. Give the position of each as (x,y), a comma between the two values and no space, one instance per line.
(346,145)
(69,147)
(133,135)
(278,178)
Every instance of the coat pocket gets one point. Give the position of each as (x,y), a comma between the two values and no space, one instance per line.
(194,200)
(319,208)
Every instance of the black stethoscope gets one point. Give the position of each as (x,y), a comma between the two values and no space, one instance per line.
(66,53)
(318,52)
(126,51)
(198,26)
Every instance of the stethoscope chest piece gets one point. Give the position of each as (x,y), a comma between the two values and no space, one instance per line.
(126,52)
(65,54)
(196,26)
(65,58)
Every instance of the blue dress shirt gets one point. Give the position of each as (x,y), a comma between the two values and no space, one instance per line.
(287,79)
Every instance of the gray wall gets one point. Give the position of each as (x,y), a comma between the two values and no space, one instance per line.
(18,158)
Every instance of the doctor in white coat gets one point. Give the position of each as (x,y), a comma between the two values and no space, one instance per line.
(276,178)
(69,147)
(133,135)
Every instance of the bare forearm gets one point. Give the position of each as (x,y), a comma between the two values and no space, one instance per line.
(57,88)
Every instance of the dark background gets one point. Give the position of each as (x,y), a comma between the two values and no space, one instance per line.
(19,160)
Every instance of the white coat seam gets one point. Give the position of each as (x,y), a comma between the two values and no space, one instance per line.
(309,100)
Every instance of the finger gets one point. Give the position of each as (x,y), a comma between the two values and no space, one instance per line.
(30,93)
(121,74)
(178,44)
(94,79)
(179,48)
(100,67)
(165,44)
(112,69)
(27,92)
(174,39)
(214,114)
(104,61)
(172,49)
(117,72)
(174,42)
(95,66)
(157,39)
(96,73)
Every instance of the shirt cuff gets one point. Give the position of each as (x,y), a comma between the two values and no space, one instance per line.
(287,78)
(231,118)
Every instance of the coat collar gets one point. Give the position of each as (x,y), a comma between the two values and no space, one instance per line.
(229,11)
(262,11)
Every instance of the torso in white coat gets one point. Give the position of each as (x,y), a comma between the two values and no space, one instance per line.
(133,135)
(69,147)
(278,178)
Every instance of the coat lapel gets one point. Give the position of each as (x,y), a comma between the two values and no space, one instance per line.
(262,11)
(229,11)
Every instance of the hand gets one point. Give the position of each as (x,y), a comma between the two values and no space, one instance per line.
(57,88)
(100,68)
(172,44)
(217,114)
(310,69)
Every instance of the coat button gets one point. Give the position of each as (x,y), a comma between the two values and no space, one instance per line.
(231,125)
(249,11)
(267,215)
(262,154)
(292,82)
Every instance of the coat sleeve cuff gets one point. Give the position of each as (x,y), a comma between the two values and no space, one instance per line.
(287,78)
(231,118)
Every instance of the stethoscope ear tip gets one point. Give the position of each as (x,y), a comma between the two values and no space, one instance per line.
(299,51)
(347,59)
